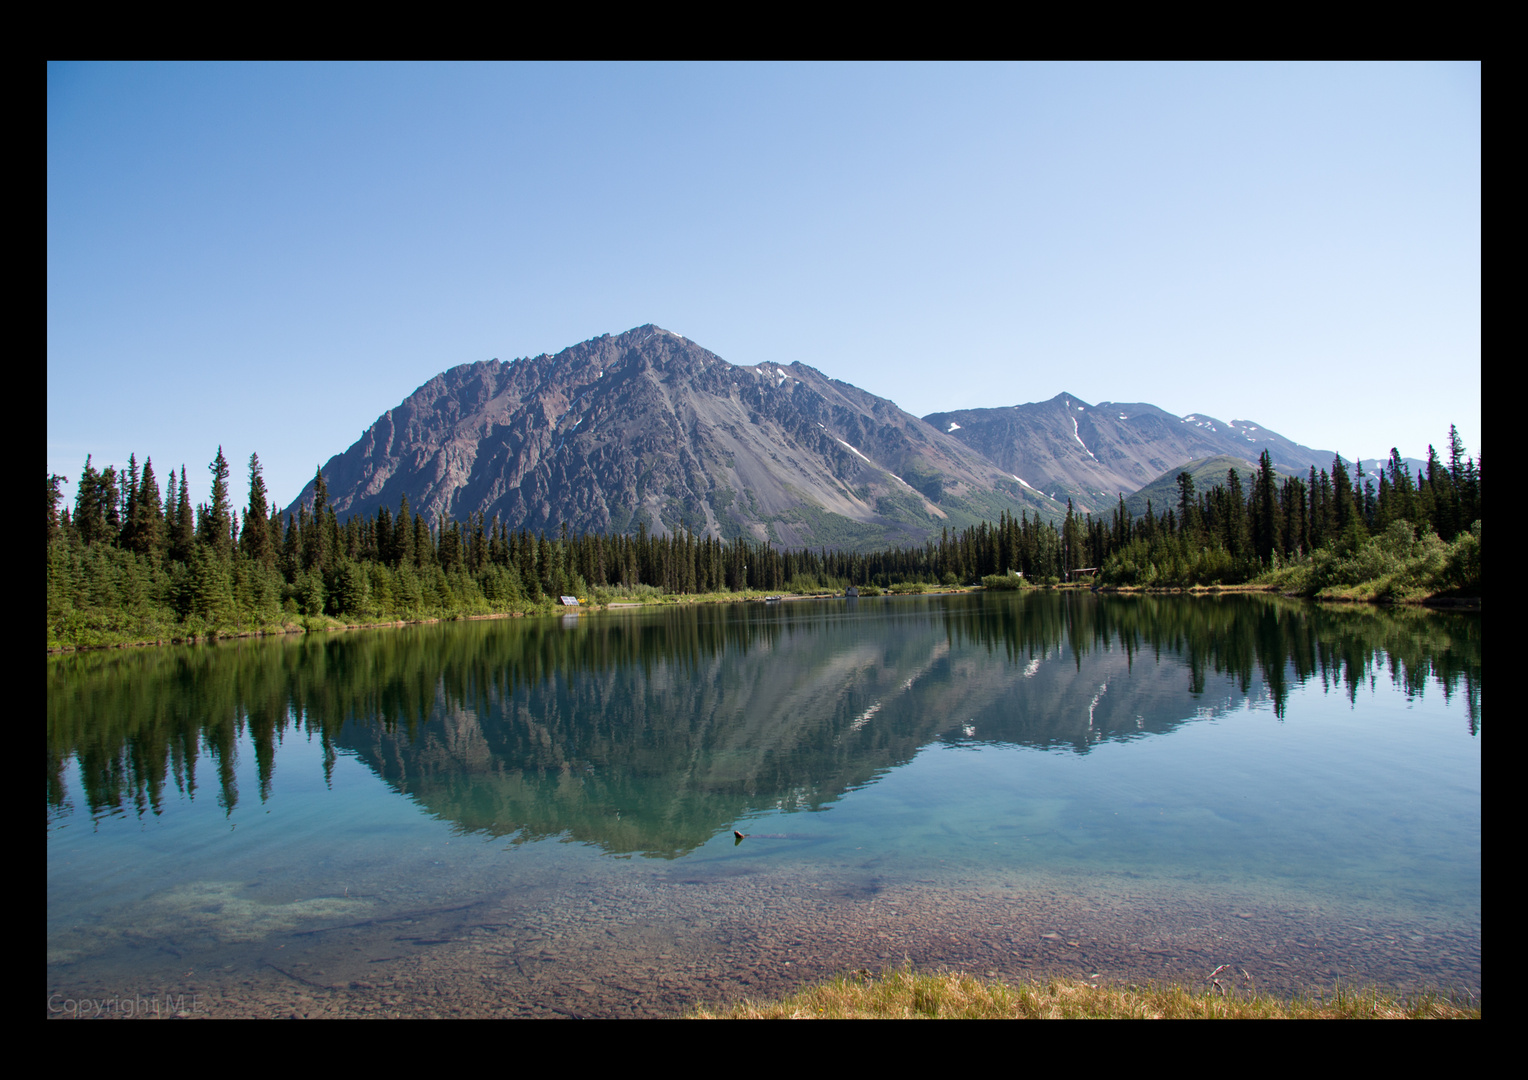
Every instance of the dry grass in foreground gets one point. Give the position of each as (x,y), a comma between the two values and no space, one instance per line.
(904,994)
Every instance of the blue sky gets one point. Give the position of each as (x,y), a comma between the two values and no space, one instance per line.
(267,257)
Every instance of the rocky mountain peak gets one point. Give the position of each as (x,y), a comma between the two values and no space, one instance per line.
(647,429)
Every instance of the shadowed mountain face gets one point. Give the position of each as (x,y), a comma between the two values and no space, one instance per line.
(1091,454)
(649,429)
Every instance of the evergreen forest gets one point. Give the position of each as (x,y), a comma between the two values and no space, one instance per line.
(128,563)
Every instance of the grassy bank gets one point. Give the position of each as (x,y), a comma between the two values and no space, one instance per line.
(105,629)
(101,627)
(906,995)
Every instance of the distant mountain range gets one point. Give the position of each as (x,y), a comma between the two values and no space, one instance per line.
(648,429)
(1094,453)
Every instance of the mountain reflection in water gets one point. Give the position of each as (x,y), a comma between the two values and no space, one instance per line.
(654,733)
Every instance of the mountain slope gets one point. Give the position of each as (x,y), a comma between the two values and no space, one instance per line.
(647,429)
(1090,454)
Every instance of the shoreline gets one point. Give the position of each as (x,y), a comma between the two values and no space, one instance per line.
(1442,603)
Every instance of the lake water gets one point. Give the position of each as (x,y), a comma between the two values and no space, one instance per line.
(535,817)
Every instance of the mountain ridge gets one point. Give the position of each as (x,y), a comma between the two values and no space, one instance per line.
(1094,453)
(649,430)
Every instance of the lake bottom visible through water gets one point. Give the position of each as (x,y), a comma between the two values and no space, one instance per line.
(659,942)
(452,925)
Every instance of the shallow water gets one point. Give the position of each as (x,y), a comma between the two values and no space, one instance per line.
(535,817)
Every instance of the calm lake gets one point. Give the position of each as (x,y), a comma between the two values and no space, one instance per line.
(534,817)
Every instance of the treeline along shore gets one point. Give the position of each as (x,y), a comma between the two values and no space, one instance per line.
(127,564)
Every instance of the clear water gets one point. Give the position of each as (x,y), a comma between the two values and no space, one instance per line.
(535,817)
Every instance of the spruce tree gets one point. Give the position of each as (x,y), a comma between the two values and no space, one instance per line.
(530,577)
(1266,526)
(1071,537)
(1445,500)
(403,535)
(129,500)
(55,496)
(89,517)
(277,535)
(1321,528)
(1238,537)
(171,501)
(450,548)
(548,568)
(316,547)
(383,536)
(255,540)
(1187,507)
(424,543)
(217,525)
(291,549)
(320,493)
(1469,493)
(334,544)
(1347,519)
(147,524)
(183,526)
(1465,475)
(477,553)
(111,504)
(498,549)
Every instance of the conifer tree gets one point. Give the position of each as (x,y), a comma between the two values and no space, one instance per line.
(1370,500)
(55,496)
(129,499)
(1403,492)
(277,535)
(545,556)
(255,540)
(1384,504)
(384,536)
(217,524)
(1445,501)
(314,532)
(1469,492)
(1070,543)
(1266,525)
(145,525)
(291,548)
(450,547)
(1238,537)
(498,549)
(530,577)
(334,543)
(1321,528)
(320,493)
(171,502)
(1347,514)
(111,503)
(89,514)
(1466,476)
(424,543)
(478,551)
(183,526)
(1187,507)
(403,535)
